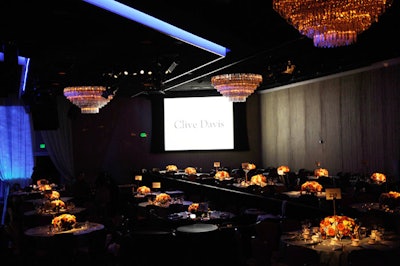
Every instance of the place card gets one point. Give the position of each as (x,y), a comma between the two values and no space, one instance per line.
(333,193)
(156,185)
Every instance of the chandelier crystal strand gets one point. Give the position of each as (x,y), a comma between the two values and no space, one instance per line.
(331,23)
(88,98)
(237,87)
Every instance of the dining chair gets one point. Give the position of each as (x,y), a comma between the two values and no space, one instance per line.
(150,247)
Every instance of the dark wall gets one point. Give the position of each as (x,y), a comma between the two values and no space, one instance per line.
(110,141)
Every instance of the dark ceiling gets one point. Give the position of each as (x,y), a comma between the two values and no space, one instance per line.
(72,42)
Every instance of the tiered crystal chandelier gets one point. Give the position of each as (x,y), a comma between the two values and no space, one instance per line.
(238,86)
(88,98)
(331,23)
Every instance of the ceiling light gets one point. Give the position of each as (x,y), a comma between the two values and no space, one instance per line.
(237,87)
(159,25)
(88,98)
(331,23)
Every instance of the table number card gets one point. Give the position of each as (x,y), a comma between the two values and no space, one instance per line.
(217,164)
(138,177)
(333,193)
(156,184)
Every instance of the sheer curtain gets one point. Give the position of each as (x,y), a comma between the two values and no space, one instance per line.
(16,153)
(59,143)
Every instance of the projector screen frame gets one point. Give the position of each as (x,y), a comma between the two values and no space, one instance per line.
(241,142)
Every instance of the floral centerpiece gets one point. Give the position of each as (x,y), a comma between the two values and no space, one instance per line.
(221,175)
(378,178)
(162,199)
(171,168)
(338,226)
(282,170)
(311,187)
(193,208)
(259,180)
(64,222)
(190,171)
(53,195)
(321,172)
(250,166)
(45,188)
(390,199)
(143,190)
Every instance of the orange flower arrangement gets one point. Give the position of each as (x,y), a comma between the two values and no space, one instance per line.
(221,175)
(393,194)
(378,178)
(259,180)
(171,168)
(321,172)
(64,222)
(334,225)
(193,207)
(57,204)
(143,190)
(45,187)
(190,171)
(54,195)
(282,169)
(162,199)
(250,166)
(311,187)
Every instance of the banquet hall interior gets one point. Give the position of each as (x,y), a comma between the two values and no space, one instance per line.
(111,155)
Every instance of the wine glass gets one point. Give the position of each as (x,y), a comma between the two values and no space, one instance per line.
(245,167)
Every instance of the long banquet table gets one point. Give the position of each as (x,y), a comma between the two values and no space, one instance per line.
(224,195)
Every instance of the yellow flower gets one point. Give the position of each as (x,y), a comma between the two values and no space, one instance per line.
(163,198)
(221,175)
(378,178)
(283,169)
(193,207)
(311,186)
(333,225)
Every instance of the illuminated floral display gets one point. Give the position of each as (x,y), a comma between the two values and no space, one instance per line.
(162,199)
(335,225)
(283,169)
(221,175)
(378,178)
(171,168)
(143,190)
(311,187)
(321,172)
(190,171)
(64,222)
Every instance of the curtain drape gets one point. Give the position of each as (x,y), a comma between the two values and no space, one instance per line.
(16,153)
(59,143)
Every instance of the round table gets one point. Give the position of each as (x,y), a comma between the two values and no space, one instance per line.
(197,228)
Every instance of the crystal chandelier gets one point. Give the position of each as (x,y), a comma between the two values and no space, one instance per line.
(331,23)
(88,98)
(237,87)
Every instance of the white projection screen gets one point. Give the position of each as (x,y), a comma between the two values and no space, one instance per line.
(198,123)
